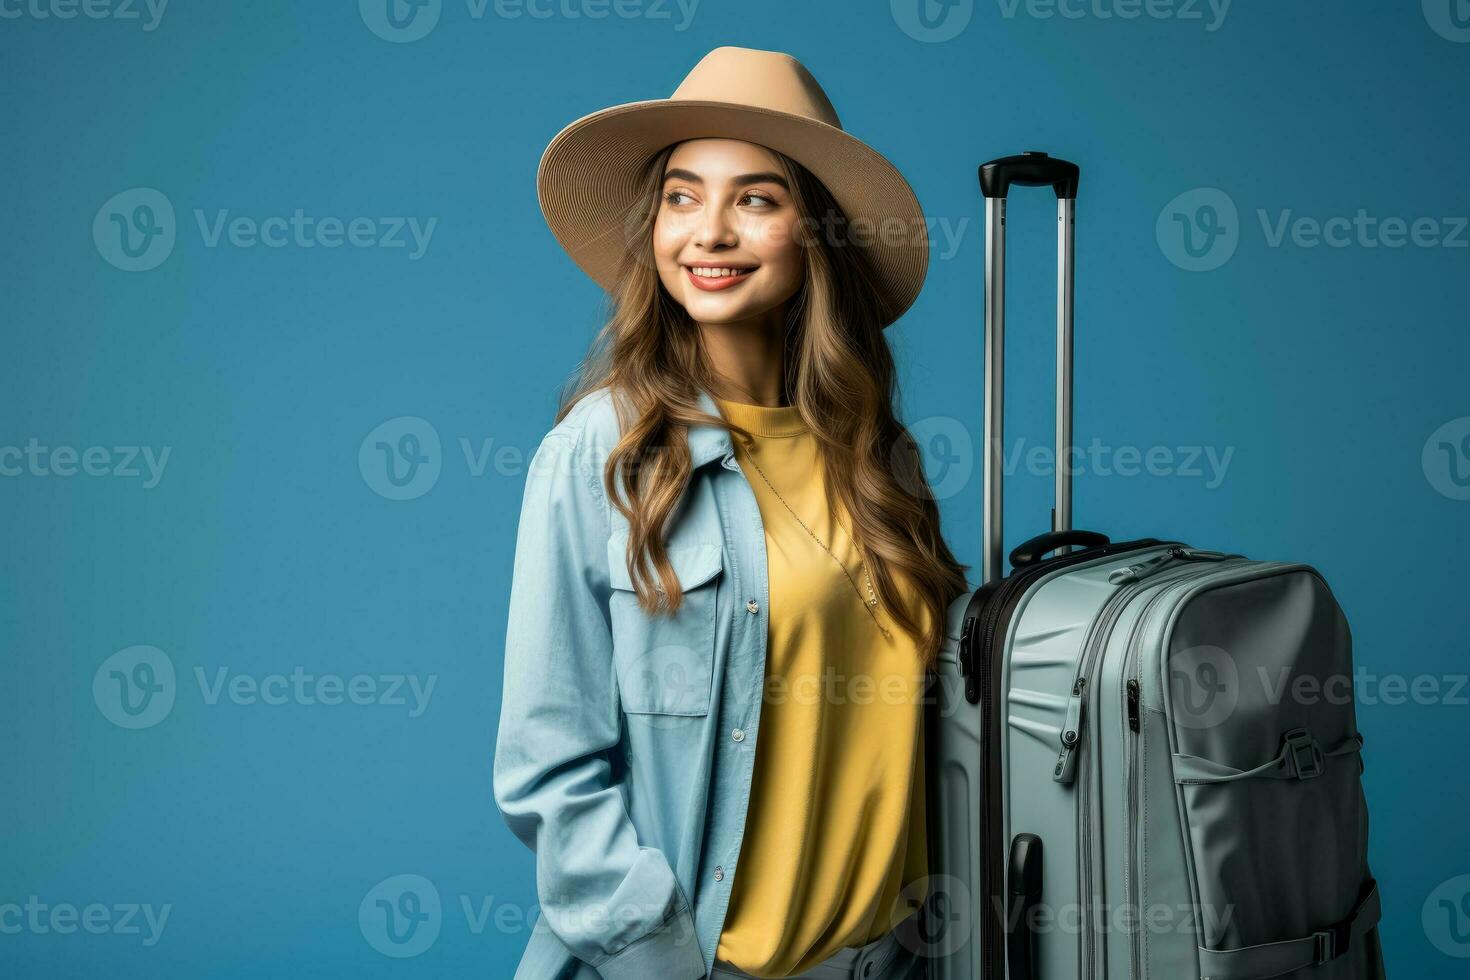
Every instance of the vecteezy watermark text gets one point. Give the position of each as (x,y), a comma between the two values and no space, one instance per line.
(137,688)
(136,230)
(405,21)
(97,918)
(402,458)
(148,13)
(934,21)
(403,916)
(1201,229)
(303,688)
(121,462)
(1210,13)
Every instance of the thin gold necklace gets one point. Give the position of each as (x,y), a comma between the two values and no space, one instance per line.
(872,598)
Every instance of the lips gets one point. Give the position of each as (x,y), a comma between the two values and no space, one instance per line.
(713,277)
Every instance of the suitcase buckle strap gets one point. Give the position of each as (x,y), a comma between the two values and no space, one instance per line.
(1333,942)
(1304,757)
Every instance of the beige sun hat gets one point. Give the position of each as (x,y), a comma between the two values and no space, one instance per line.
(588,177)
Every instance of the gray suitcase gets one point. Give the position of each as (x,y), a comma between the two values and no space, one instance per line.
(1142,758)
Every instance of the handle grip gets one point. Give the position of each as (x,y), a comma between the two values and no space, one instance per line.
(1024,895)
(1030,169)
(1030,552)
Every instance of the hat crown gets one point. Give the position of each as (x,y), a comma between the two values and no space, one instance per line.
(764,79)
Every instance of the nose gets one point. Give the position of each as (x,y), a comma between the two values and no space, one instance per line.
(715,228)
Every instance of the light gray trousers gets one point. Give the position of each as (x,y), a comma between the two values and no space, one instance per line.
(892,956)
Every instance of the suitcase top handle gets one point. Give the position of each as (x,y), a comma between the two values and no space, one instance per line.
(1030,169)
(1030,552)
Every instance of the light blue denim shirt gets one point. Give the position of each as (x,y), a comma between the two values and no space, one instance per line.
(627,741)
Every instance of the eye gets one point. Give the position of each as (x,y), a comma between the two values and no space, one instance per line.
(760,196)
(672,197)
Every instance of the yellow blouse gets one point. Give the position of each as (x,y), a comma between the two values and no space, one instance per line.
(835,827)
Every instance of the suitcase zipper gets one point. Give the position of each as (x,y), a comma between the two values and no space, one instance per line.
(1130,580)
(1075,753)
(1143,570)
(1133,667)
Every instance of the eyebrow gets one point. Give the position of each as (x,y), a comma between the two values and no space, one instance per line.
(758,178)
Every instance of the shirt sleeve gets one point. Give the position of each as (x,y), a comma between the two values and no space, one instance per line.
(612,901)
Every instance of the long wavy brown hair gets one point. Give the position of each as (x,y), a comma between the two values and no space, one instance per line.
(838,372)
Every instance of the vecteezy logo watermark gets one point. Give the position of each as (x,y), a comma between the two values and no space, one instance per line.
(35,459)
(1204,686)
(667,683)
(932,21)
(136,230)
(1446,458)
(1446,917)
(404,915)
(1199,230)
(147,12)
(1211,13)
(401,916)
(64,919)
(401,458)
(946,922)
(1450,19)
(402,21)
(135,687)
(946,456)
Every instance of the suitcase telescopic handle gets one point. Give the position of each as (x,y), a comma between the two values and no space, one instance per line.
(996,178)
(1029,169)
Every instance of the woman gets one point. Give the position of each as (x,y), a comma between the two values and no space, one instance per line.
(729,579)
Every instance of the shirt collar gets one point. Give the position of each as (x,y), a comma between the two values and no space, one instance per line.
(708,442)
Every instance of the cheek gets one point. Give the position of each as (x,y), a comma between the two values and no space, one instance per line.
(782,257)
(773,237)
(668,241)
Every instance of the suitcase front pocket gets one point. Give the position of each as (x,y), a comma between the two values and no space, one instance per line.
(1269,844)
(1266,761)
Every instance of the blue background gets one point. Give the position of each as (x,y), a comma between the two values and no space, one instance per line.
(266,546)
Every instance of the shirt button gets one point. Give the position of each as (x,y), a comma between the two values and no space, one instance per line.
(752,607)
(719,872)
(738,735)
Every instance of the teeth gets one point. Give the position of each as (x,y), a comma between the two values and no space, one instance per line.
(717,273)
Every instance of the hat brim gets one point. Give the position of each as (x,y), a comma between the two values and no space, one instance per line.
(587,184)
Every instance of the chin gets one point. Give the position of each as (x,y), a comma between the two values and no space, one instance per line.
(716,309)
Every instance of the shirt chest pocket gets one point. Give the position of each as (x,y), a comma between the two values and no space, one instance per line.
(665,664)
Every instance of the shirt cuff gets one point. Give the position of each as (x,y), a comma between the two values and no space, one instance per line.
(669,952)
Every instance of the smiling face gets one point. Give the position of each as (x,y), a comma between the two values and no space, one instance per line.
(725,237)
